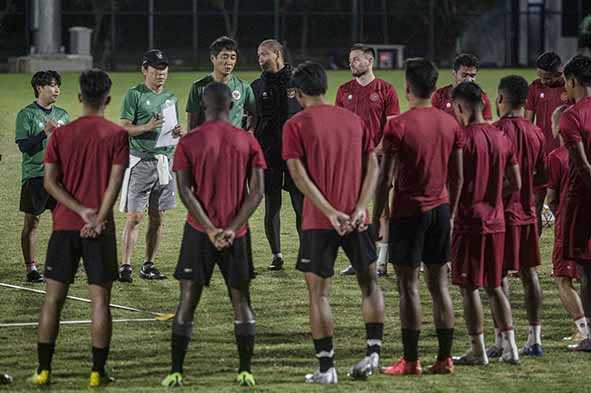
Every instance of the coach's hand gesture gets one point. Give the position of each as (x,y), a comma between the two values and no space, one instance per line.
(178,131)
(341,222)
(155,122)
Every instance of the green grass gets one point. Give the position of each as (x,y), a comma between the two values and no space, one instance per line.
(284,351)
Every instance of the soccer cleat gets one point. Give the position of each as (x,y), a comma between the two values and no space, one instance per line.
(577,337)
(535,350)
(583,346)
(365,367)
(35,277)
(96,379)
(42,378)
(173,380)
(494,351)
(149,272)
(125,273)
(509,355)
(276,264)
(445,366)
(471,359)
(382,270)
(245,379)
(5,379)
(348,271)
(403,367)
(327,378)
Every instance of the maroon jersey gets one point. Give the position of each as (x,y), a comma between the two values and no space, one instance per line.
(331,142)
(558,181)
(86,150)
(487,154)
(442,99)
(373,103)
(423,140)
(542,100)
(528,148)
(220,158)
(575,126)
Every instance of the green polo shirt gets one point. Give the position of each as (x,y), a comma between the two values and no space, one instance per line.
(139,106)
(242,98)
(30,121)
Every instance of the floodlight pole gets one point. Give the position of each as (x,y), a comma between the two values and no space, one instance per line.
(150,24)
(432,30)
(195,33)
(354,21)
(47,37)
(276,19)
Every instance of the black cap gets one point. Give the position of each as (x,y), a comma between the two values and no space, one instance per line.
(154,58)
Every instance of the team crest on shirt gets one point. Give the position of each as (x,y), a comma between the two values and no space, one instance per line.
(148,102)
(291,93)
(374,97)
(60,123)
(448,105)
(41,124)
(542,95)
(350,97)
(564,97)
(236,95)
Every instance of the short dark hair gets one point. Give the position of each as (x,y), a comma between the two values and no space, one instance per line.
(218,95)
(95,85)
(514,88)
(579,67)
(549,61)
(470,93)
(221,43)
(366,49)
(467,60)
(421,76)
(45,78)
(310,78)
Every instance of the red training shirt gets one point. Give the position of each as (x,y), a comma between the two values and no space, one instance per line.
(558,181)
(442,99)
(373,103)
(487,154)
(331,142)
(220,158)
(543,100)
(423,140)
(86,150)
(528,147)
(575,126)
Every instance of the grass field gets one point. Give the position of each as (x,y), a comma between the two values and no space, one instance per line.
(284,352)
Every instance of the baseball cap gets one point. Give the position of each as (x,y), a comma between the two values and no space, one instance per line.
(154,57)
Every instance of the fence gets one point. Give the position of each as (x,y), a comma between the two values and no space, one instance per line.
(499,32)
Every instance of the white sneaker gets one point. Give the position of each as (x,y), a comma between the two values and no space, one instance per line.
(471,359)
(365,367)
(509,355)
(327,378)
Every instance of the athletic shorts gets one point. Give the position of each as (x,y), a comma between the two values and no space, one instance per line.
(421,238)
(144,190)
(199,256)
(477,259)
(563,267)
(576,232)
(34,198)
(99,256)
(319,249)
(522,249)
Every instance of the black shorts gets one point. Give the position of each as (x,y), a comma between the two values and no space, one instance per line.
(99,256)
(319,249)
(199,256)
(421,238)
(34,199)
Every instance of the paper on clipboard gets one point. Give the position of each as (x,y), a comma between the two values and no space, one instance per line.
(166,138)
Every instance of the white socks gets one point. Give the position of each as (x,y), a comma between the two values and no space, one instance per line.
(498,338)
(477,343)
(382,249)
(534,335)
(582,326)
